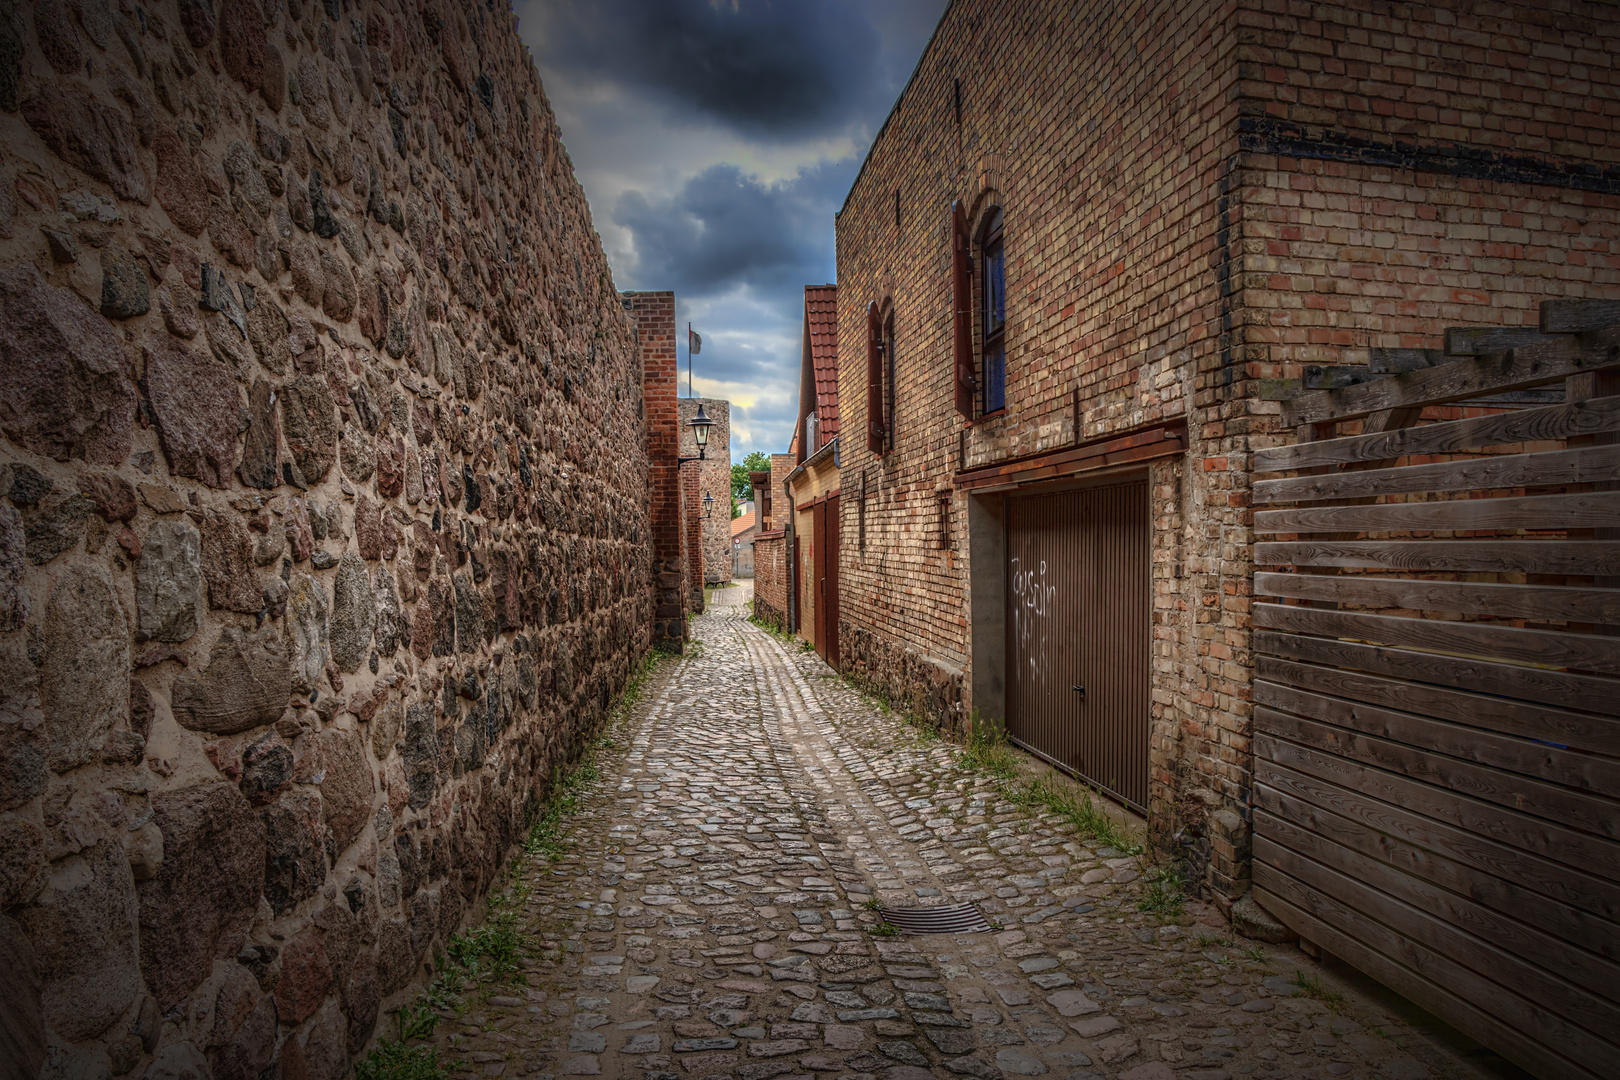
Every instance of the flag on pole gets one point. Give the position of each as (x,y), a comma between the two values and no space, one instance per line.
(694,340)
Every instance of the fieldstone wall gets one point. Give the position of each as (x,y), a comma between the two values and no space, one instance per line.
(714,480)
(323,515)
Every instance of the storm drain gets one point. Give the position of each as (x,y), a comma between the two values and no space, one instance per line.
(946,919)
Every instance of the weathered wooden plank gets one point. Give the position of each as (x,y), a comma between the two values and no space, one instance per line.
(1584,510)
(1594,900)
(1594,814)
(1570,980)
(1439,997)
(1494,980)
(1586,652)
(1586,693)
(1529,425)
(1515,369)
(1579,731)
(1484,340)
(1578,316)
(1437,864)
(1580,557)
(1542,602)
(1586,464)
(1554,765)
(1541,836)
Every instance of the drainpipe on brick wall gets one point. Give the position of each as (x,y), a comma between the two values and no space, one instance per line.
(788,560)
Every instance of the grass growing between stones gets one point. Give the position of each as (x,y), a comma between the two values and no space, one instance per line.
(562,799)
(1312,987)
(396,1061)
(487,956)
(1164,895)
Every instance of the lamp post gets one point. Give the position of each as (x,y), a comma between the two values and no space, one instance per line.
(708,504)
(700,425)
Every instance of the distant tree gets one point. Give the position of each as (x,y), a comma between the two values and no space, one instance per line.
(754,462)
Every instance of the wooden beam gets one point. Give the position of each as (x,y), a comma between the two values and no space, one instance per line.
(1586,464)
(1528,941)
(1516,369)
(1578,316)
(1524,994)
(1584,693)
(1514,644)
(1579,557)
(1442,997)
(1587,510)
(1525,830)
(1596,735)
(1484,340)
(1541,602)
(1571,770)
(1528,425)
(1435,829)
(1166,440)
(1447,857)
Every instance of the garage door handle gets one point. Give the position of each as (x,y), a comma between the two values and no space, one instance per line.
(1078,689)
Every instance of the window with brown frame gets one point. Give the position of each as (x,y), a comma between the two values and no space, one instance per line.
(891,392)
(992,317)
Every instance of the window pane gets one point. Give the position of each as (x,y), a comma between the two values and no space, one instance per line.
(995,290)
(995,378)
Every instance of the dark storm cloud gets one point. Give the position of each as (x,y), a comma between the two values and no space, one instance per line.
(724,228)
(777,70)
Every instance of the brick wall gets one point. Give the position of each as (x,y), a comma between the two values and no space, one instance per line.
(714,481)
(770,578)
(323,515)
(1205,206)
(653,315)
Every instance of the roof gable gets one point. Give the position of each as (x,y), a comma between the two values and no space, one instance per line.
(821,334)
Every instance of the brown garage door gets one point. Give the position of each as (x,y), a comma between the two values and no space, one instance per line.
(1077,633)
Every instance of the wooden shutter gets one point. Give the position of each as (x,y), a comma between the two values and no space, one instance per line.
(874,381)
(962,310)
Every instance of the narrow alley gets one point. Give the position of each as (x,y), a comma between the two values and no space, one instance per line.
(709,911)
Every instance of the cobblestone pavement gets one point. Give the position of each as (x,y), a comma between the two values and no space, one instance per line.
(706,918)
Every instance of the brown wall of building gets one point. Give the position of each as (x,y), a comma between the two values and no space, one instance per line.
(1205,206)
(323,515)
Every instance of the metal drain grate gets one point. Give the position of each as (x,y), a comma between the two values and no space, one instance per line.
(945,919)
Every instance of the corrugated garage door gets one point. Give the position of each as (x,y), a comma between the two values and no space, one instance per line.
(1078,599)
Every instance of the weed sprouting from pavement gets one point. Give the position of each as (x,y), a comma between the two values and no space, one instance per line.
(1165,894)
(986,750)
(1312,987)
(396,1061)
(490,953)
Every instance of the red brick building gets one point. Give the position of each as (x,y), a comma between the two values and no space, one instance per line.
(1090,248)
(677,525)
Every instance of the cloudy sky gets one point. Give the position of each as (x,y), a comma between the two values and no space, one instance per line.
(715,139)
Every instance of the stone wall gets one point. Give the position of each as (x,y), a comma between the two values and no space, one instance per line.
(714,473)
(1205,206)
(324,527)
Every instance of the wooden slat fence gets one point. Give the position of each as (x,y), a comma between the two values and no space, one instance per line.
(1437,686)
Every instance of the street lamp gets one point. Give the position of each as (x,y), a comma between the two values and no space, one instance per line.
(700,425)
(708,503)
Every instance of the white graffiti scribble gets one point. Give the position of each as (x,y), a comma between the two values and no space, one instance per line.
(1032,619)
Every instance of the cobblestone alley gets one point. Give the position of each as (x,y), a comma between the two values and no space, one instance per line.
(708,918)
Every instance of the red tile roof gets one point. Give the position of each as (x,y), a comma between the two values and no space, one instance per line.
(821,327)
(742,524)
